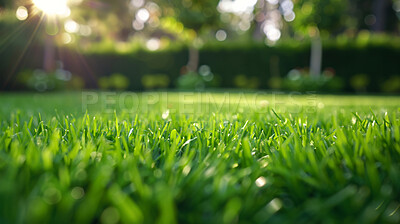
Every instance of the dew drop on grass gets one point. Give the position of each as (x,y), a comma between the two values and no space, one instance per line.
(93,155)
(261,181)
(52,196)
(393,209)
(81,174)
(210,172)
(196,125)
(157,173)
(165,114)
(77,193)
(110,215)
(264,161)
(186,170)
(264,103)
(130,132)
(275,205)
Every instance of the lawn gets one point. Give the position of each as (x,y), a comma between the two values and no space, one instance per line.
(89,157)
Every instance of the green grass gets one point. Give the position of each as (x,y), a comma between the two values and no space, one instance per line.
(199,158)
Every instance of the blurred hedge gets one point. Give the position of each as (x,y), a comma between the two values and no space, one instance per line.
(377,64)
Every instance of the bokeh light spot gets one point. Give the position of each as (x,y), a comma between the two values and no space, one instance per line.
(153,44)
(66,38)
(52,196)
(110,216)
(221,35)
(137,25)
(21,13)
(137,3)
(71,26)
(77,193)
(244,25)
(85,30)
(370,20)
(237,6)
(272,33)
(52,29)
(396,6)
(289,17)
(273,2)
(287,5)
(142,15)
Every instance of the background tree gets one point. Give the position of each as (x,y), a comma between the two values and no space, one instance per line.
(198,16)
(376,15)
(316,17)
(329,17)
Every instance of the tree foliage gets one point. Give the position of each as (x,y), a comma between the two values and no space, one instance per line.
(327,15)
(193,14)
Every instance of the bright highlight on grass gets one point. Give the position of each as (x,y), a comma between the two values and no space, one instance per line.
(53,7)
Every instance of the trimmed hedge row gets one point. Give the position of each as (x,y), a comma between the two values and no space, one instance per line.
(376,64)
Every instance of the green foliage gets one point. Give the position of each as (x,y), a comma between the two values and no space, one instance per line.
(326,15)
(391,85)
(190,81)
(198,80)
(300,80)
(359,82)
(152,81)
(192,14)
(376,58)
(241,81)
(216,159)
(41,81)
(116,81)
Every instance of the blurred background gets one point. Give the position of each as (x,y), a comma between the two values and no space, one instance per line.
(333,46)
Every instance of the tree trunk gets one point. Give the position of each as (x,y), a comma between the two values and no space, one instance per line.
(316,57)
(193,62)
(379,8)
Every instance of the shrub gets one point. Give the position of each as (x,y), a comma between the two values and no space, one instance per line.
(42,81)
(359,82)
(197,80)
(116,81)
(153,81)
(190,80)
(392,85)
(302,81)
(378,61)
(242,81)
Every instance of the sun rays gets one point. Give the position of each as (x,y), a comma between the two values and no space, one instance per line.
(53,7)
(39,18)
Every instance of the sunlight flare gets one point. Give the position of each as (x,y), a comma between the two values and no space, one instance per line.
(53,7)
